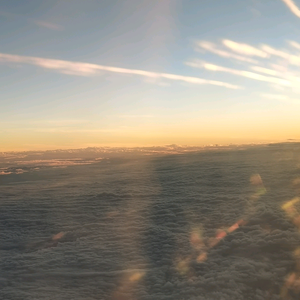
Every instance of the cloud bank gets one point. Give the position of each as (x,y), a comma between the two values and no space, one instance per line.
(209,225)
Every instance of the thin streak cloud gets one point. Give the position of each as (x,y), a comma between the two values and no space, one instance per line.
(244,49)
(39,23)
(293,7)
(292,59)
(266,71)
(87,69)
(213,49)
(242,73)
(279,73)
(46,24)
(295,44)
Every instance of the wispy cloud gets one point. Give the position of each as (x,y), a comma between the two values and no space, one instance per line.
(47,24)
(73,130)
(44,122)
(208,46)
(293,7)
(290,58)
(58,129)
(277,67)
(87,69)
(39,23)
(266,71)
(277,71)
(295,44)
(247,74)
(244,49)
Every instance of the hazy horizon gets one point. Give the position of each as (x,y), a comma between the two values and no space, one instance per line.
(148,146)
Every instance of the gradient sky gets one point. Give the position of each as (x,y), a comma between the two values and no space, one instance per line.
(78,73)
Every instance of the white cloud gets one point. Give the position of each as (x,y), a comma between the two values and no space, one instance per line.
(251,75)
(293,7)
(278,67)
(277,71)
(196,80)
(213,49)
(266,71)
(86,69)
(244,49)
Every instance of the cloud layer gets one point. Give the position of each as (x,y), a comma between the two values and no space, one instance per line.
(152,227)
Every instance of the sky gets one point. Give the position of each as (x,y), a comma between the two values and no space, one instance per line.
(81,73)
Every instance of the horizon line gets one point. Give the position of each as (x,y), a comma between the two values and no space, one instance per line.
(215,145)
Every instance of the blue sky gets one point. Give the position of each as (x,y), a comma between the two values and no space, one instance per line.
(83,72)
